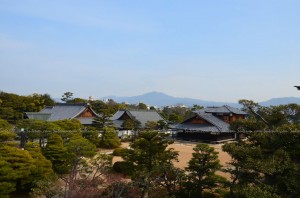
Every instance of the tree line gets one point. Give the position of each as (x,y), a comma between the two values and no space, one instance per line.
(272,118)
(13,106)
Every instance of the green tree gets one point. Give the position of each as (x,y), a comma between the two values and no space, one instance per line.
(111,106)
(16,167)
(176,114)
(73,125)
(79,100)
(142,106)
(6,136)
(57,154)
(7,175)
(162,125)
(175,118)
(43,167)
(196,107)
(110,138)
(78,148)
(247,125)
(202,167)
(147,154)
(7,179)
(102,121)
(92,135)
(67,96)
(171,179)
(151,125)
(48,101)
(4,125)
(267,161)
(13,106)
(272,118)
(131,124)
(240,166)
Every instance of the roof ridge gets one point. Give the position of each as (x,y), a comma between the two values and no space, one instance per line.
(72,104)
(212,122)
(130,115)
(226,106)
(147,110)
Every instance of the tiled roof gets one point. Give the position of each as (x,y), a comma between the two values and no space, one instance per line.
(142,116)
(64,111)
(223,109)
(117,115)
(86,120)
(218,123)
(208,114)
(38,116)
(235,110)
(61,111)
(197,127)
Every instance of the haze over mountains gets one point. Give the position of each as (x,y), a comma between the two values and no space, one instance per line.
(159,99)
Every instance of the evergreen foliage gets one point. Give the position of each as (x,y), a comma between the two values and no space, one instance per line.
(110,139)
(57,154)
(43,167)
(15,170)
(13,106)
(4,125)
(147,154)
(267,163)
(201,170)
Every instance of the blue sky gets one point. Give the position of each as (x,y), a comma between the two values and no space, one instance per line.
(221,50)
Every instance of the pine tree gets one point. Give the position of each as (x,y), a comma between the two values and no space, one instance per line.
(202,167)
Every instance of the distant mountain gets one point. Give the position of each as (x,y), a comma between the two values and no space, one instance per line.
(159,99)
(280,101)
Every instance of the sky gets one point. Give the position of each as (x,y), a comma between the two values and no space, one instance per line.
(219,50)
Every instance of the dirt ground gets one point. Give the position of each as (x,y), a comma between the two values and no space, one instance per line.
(185,150)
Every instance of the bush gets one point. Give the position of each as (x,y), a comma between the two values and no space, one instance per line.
(123,167)
(118,151)
(110,139)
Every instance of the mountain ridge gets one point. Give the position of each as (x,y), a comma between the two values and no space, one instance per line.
(160,99)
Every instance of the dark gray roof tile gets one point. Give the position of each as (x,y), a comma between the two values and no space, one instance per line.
(223,109)
(218,123)
(62,111)
(142,116)
(197,127)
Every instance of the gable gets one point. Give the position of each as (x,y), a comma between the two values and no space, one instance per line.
(87,113)
(125,116)
(143,116)
(196,120)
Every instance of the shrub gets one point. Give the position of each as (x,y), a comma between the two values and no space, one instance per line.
(123,167)
(110,139)
(118,151)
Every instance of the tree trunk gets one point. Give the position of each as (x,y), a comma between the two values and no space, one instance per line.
(199,190)
(145,193)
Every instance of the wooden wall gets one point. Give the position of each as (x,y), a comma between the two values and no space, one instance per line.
(87,113)
(197,120)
